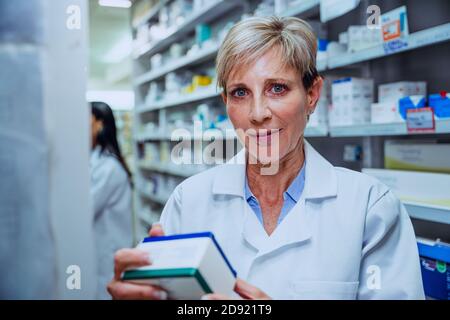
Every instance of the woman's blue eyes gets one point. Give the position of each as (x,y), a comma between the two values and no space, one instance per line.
(278,88)
(239,92)
(275,89)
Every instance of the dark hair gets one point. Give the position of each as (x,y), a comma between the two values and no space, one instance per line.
(107,137)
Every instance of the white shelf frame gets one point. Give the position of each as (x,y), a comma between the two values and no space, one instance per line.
(199,95)
(198,57)
(426,37)
(180,171)
(388,129)
(428,212)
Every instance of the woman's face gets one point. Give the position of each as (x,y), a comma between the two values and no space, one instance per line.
(270,104)
(96,126)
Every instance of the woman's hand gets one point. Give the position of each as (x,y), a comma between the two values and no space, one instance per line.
(133,258)
(244,289)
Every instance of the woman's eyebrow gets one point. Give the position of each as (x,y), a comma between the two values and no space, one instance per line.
(272,80)
(236,85)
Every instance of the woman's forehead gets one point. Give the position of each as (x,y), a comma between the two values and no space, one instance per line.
(261,71)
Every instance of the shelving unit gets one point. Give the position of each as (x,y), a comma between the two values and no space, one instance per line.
(210,12)
(389,129)
(416,40)
(196,58)
(305,9)
(181,99)
(358,63)
(428,212)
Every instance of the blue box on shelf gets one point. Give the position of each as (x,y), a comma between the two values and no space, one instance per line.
(410,102)
(435,266)
(440,103)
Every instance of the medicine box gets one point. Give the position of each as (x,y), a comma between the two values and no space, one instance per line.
(420,187)
(389,92)
(320,116)
(187,266)
(385,112)
(435,267)
(362,37)
(440,104)
(417,155)
(351,101)
(410,102)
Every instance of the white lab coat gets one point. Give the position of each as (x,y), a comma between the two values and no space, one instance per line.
(348,237)
(111,196)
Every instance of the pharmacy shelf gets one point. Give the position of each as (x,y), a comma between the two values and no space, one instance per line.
(161,199)
(150,14)
(305,9)
(199,57)
(416,40)
(428,212)
(316,131)
(211,11)
(389,129)
(207,136)
(181,171)
(199,95)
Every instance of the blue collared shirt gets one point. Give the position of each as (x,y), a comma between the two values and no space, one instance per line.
(290,196)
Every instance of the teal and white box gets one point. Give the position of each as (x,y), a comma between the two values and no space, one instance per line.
(187,266)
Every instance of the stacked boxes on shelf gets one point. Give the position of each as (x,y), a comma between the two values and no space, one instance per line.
(351,100)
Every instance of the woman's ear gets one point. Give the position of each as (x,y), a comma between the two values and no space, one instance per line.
(224,97)
(314,94)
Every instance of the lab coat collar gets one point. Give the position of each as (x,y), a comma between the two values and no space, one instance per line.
(320,177)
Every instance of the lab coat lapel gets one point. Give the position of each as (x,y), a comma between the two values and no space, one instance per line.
(295,229)
(253,231)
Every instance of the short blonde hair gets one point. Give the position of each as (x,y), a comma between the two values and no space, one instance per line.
(251,38)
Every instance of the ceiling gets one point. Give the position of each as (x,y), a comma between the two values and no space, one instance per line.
(107,27)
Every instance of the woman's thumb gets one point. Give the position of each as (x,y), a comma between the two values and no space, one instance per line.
(156,230)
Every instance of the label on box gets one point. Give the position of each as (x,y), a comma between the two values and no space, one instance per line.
(394,26)
(420,120)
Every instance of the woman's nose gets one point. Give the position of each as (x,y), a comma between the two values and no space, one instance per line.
(260,111)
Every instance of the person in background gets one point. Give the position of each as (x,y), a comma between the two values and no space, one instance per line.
(110,192)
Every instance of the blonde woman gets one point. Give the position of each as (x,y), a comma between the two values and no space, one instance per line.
(306,230)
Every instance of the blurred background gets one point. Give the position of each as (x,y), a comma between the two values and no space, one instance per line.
(384,110)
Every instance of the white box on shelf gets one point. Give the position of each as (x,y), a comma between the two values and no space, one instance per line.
(187,266)
(351,100)
(385,112)
(419,187)
(397,90)
(362,37)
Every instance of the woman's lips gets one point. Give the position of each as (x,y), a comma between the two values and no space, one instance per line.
(264,136)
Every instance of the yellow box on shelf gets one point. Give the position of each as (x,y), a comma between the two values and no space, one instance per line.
(416,155)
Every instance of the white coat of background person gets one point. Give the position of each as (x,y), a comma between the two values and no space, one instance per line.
(308,230)
(111,194)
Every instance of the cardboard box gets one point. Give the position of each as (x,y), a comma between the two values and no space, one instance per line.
(420,187)
(385,112)
(187,266)
(362,37)
(351,101)
(417,155)
(390,92)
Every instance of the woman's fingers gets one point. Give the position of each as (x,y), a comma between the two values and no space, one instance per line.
(126,290)
(247,291)
(215,296)
(127,258)
(156,230)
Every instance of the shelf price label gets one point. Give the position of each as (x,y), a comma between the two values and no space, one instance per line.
(420,120)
